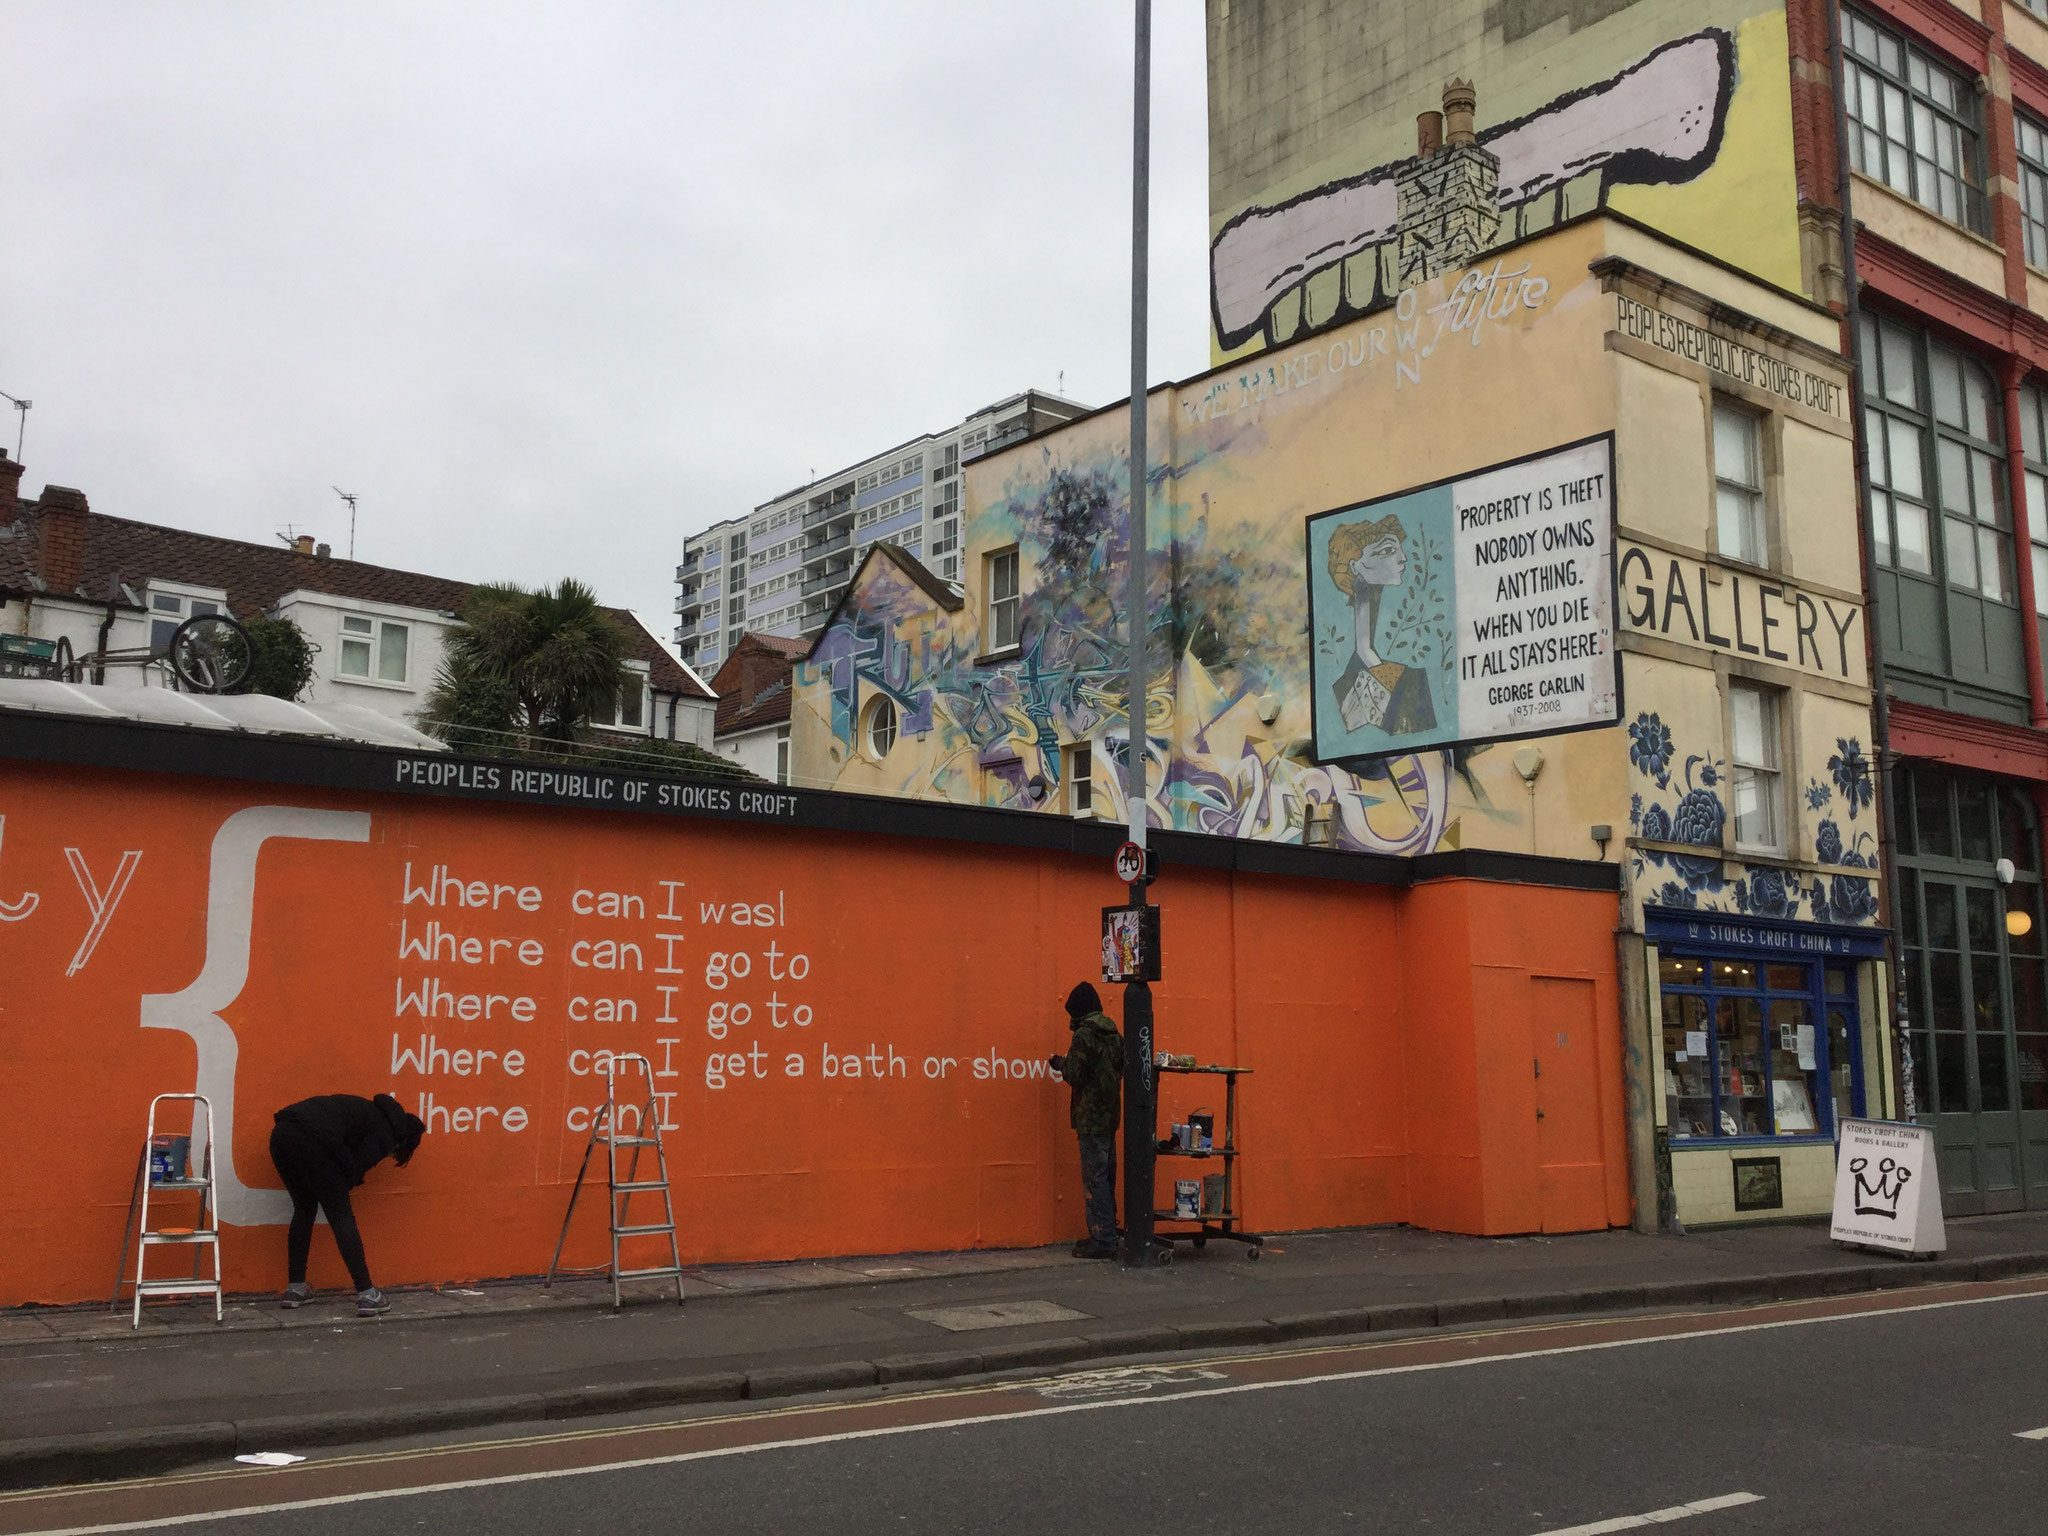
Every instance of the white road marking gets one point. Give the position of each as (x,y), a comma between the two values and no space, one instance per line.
(1658,1516)
(2032,1434)
(805,1442)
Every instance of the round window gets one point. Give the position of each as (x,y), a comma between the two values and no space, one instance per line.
(881,727)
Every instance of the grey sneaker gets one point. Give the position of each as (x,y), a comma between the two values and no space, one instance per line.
(369,1303)
(295,1295)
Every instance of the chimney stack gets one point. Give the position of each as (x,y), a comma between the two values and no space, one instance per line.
(60,556)
(303,544)
(10,486)
(1429,133)
(1460,102)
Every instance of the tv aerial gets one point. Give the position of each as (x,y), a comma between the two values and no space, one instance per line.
(350,498)
(22,430)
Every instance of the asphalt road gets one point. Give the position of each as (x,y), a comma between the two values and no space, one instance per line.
(1887,1413)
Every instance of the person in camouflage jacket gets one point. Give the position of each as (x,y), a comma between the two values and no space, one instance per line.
(1094,1067)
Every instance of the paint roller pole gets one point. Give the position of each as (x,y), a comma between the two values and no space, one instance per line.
(1139,1120)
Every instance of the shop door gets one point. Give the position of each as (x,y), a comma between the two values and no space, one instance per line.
(1571,1173)
(1976,1122)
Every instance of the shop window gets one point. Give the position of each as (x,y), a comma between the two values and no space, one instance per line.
(1754,756)
(1004,602)
(1974,966)
(1758,1048)
(1739,484)
(1914,123)
(374,649)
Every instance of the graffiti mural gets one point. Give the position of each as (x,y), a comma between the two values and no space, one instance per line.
(1651,109)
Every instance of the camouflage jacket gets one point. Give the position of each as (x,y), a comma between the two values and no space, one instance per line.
(1094,1065)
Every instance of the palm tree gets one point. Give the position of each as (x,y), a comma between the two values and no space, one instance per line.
(530,662)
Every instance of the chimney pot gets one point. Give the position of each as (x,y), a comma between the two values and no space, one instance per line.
(1429,133)
(322,551)
(303,543)
(1460,103)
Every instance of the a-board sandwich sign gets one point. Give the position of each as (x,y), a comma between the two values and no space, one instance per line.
(1887,1187)
(1479,608)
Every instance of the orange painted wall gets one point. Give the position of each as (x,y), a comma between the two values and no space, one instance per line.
(1377,1021)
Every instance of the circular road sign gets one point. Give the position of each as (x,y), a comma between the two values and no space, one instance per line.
(1130,863)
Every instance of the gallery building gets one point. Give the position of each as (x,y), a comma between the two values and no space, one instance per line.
(1576,291)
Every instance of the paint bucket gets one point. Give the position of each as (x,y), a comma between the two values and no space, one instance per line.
(1201,1130)
(1213,1193)
(1187,1199)
(168,1156)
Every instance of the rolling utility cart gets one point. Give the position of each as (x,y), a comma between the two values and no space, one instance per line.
(165,1170)
(1220,1216)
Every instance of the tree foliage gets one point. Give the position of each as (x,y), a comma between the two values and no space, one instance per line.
(530,663)
(280,658)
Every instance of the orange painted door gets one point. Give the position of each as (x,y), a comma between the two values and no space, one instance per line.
(1572,1173)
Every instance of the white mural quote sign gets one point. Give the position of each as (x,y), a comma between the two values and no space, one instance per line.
(1476,609)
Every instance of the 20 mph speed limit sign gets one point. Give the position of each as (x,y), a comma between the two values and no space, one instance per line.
(1130,863)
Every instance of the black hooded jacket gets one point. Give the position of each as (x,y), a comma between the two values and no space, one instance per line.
(356,1133)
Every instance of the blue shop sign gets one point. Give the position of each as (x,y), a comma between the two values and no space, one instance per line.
(1761,935)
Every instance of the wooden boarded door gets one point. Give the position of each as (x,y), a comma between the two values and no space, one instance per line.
(1572,1174)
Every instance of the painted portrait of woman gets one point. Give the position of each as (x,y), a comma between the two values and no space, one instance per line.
(1365,560)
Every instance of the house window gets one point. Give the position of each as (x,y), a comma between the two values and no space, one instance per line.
(1081,779)
(1739,484)
(2033,146)
(167,610)
(1754,756)
(374,649)
(880,731)
(1934,430)
(1757,1048)
(2034,455)
(626,711)
(782,756)
(1914,124)
(1004,603)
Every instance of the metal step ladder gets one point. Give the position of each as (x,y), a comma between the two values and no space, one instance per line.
(165,1168)
(646,1132)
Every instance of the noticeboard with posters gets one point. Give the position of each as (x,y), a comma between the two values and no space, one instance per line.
(1130,943)
(1479,608)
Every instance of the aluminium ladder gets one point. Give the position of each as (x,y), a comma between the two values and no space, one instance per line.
(203,1237)
(604,1127)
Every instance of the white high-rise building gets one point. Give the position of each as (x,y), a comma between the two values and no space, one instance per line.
(780,569)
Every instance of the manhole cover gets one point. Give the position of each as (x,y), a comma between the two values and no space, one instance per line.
(997,1314)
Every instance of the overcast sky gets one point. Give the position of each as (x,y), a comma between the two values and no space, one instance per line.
(551,286)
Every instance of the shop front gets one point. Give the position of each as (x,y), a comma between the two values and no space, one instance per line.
(1768,1039)
(1970,933)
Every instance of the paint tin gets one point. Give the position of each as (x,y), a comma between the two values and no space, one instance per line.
(1201,1130)
(168,1156)
(1213,1195)
(1187,1199)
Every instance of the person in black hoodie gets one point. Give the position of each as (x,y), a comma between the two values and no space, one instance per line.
(1094,1068)
(322,1148)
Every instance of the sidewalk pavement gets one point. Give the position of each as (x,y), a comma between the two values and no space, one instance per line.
(84,1396)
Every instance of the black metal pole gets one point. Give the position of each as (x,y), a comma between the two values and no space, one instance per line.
(1141,1121)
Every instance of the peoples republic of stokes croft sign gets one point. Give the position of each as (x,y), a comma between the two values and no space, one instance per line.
(1475,609)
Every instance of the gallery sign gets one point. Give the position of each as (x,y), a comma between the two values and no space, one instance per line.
(1887,1189)
(1475,609)
(1701,603)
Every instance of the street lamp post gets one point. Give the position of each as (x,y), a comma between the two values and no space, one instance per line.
(1138,1076)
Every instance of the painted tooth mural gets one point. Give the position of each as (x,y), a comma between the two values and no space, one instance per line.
(1674,115)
